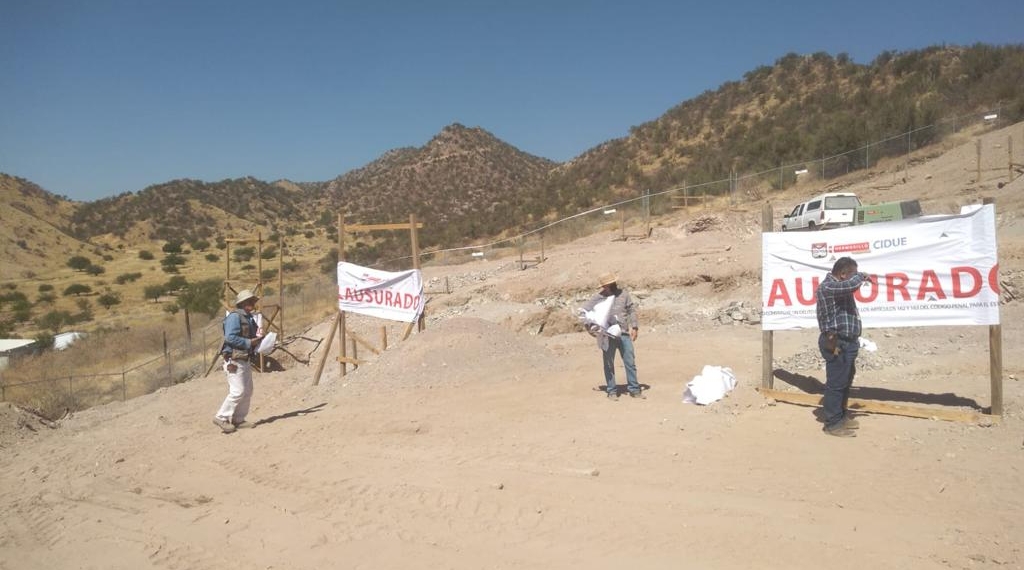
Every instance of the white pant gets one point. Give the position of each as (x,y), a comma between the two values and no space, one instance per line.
(236,404)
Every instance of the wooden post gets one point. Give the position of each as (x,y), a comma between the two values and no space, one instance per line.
(124,387)
(355,352)
(977,146)
(280,287)
(383,337)
(767,337)
(622,223)
(995,354)
(1009,158)
(415,239)
(167,359)
(341,314)
(327,349)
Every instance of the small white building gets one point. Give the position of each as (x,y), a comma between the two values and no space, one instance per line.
(13,347)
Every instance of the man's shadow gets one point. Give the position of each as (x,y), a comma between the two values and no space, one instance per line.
(294,414)
(620,389)
(812,385)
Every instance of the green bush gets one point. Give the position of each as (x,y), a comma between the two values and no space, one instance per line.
(77,289)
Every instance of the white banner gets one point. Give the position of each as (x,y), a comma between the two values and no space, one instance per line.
(382,294)
(928,271)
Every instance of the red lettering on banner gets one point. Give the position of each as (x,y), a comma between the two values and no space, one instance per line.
(800,290)
(958,289)
(993,279)
(779,293)
(896,282)
(861,247)
(930,284)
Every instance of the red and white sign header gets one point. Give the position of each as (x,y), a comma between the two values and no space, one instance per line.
(934,270)
(382,294)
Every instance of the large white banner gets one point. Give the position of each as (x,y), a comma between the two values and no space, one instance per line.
(382,294)
(933,270)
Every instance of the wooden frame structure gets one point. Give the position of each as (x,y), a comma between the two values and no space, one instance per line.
(525,262)
(645,206)
(995,353)
(339,328)
(681,200)
(275,322)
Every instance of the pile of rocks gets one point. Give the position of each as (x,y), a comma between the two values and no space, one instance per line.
(810,359)
(738,312)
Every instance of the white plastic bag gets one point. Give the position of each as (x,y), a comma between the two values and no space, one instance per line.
(711,385)
(267,344)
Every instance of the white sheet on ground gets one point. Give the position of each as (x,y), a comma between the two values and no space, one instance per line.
(711,385)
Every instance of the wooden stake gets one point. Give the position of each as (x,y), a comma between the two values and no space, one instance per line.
(327,350)
(995,354)
(767,337)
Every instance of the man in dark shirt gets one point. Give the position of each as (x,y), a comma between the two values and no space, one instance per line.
(839,342)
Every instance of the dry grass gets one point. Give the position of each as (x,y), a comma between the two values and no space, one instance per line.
(119,363)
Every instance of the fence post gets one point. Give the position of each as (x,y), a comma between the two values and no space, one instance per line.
(1009,158)
(71,391)
(167,359)
(977,146)
(767,337)
(124,388)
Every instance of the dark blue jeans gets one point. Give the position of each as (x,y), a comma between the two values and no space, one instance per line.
(839,372)
(625,346)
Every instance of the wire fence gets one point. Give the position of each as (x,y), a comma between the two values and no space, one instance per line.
(738,187)
(57,391)
(53,387)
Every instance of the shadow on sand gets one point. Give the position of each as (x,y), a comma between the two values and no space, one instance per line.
(812,385)
(294,414)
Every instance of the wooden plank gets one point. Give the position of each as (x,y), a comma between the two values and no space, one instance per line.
(363,342)
(767,337)
(350,360)
(327,350)
(375,227)
(871,406)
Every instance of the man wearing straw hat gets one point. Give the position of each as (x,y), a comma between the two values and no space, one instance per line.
(241,338)
(610,316)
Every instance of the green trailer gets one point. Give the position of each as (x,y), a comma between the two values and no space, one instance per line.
(887,212)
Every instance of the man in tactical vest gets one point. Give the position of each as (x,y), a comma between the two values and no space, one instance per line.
(241,339)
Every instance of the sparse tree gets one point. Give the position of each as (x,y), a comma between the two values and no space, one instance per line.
(153,292)
(175,283)
(203,297)
(172,247)
(54,321)
(146,255)
(109,299)
(95,270)
(77,289)
(79,262)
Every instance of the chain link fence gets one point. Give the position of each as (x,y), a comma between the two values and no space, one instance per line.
(55,391)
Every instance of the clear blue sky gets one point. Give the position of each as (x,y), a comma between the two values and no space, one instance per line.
(100,97)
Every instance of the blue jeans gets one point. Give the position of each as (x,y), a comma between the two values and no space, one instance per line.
(625,346)
(839,372)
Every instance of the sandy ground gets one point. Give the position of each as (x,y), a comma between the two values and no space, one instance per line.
(481,442)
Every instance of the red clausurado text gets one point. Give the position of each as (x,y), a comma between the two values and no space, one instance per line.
(962,282)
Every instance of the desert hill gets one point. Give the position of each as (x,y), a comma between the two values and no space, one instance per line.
(746,138)
(480,442)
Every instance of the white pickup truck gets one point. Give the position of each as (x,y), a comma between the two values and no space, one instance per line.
(821,212)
